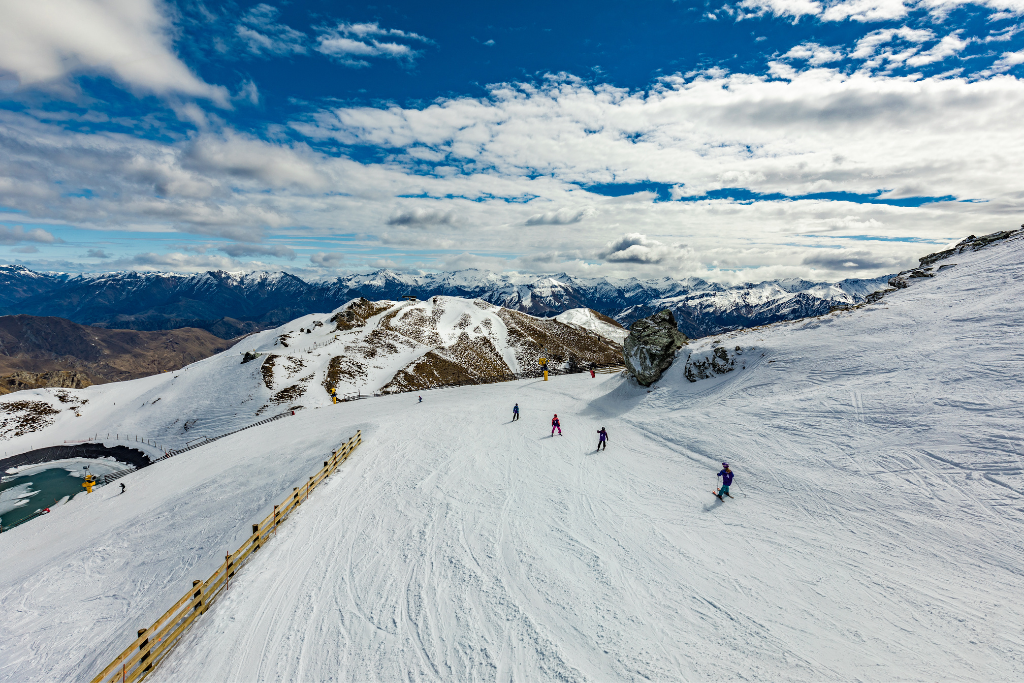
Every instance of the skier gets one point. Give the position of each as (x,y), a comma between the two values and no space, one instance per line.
(602,439)
(122,487)
(515,413)
(421,400)
(726,474)
(555,424)
(592,375)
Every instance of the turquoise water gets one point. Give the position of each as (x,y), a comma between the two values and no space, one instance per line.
(49,486)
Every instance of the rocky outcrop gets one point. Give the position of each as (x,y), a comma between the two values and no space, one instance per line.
(970,243)
(651,347)
(62,379)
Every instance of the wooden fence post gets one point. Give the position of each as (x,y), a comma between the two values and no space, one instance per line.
(144,646)
(198,594)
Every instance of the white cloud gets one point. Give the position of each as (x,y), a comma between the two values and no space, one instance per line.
(423,216)
(19,234)
(353,43)
(869,45)
(263,36)
(873,10)
(44,41)
(326,259)
(866,10)
(560,217)
(237,249)
(949,46)
(783,8)
(1007,61)
(815,54)
(637,248)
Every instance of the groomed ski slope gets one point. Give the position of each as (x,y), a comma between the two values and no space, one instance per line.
(875,535)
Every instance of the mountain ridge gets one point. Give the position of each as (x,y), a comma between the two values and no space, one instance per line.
(229,304)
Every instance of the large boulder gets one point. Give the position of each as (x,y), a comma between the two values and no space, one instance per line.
(651,346)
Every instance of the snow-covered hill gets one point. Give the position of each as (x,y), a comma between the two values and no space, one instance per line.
(229,304)
(875,533)
(361,349)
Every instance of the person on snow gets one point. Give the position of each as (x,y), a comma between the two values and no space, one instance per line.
(726,474)
(602,439)
(515,413)
(122,487)
(555,424)
(421,400)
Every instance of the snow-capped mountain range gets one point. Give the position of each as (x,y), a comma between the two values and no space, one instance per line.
(229,304)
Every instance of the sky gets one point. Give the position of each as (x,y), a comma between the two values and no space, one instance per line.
(738,142)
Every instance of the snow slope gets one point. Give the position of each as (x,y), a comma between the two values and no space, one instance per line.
(590,320)
(362,348)
(876,532)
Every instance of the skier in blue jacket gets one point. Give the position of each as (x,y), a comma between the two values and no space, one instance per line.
(726,474)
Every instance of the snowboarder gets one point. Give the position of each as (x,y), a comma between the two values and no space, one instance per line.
(122,487)
(726,474)
(555,424)
(421,400)
(592,375)
(602,439)
(515,412)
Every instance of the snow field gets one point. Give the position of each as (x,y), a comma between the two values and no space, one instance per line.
(875,535)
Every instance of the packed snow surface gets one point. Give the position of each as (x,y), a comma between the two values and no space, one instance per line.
(875,531)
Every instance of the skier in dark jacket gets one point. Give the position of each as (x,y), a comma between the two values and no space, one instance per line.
(515,413)
(726,474)
(602,439)
(555,424)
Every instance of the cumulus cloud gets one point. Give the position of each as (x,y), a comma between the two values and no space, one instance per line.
(868,46)
(783,8)
(850,259)
(19,234)
(871,10)
(636,248)
(422,216)
(949,46)
(97,253)
(263,36)
(238,250)
(866,10)
(30,249)
(326,259)
(815,54)
(560,217)
(44,41)
(352,44)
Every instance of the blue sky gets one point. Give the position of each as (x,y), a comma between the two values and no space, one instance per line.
(733,141)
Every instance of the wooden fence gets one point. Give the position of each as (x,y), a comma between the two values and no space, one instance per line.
(153,644)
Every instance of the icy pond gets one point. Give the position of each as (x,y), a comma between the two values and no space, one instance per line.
(46,477)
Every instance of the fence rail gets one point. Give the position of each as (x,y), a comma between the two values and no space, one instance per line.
(153,644)
(211,439)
